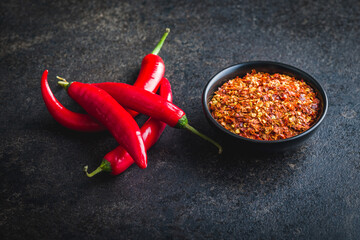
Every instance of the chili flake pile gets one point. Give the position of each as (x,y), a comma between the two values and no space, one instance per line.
(265,107)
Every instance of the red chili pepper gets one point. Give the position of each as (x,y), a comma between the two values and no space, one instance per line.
(152,105)
(118,160)
(69,119)
(112,115)
(151,72)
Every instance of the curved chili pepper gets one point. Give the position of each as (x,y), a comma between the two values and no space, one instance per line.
(152,105)
(67,118)
(151,72)
(118,160)
(112,115)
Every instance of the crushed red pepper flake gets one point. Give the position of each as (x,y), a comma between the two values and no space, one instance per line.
(265,107)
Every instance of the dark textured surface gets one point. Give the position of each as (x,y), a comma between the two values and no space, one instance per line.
(188,191)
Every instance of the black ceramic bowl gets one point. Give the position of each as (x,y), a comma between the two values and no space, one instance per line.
(270,67)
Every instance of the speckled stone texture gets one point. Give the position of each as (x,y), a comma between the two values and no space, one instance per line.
(187,191)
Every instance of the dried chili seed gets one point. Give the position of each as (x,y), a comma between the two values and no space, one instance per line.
(265,107)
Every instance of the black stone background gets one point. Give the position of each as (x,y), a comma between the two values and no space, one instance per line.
(187,191)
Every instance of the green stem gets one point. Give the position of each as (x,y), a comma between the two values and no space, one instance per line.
(60,78)
(161,42)
(104,166)
(65,85)
(183,123)
(193,130)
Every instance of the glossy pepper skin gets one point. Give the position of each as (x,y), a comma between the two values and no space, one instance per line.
(112,115)
(151,72)
(143,101)
(67,118)
(152,68)
(152,105)
(118,160)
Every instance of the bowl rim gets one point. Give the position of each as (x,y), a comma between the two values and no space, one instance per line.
(319,88)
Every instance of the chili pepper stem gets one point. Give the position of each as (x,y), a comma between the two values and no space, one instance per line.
(65,84)
(183,123)
(104,166)
(60,78)
(193,130)
(161,42)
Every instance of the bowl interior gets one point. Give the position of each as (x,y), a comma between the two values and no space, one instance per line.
(262,66)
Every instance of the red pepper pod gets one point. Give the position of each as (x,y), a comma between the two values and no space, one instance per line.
(151,72)
(152,68)
(67,118)
(152,105)
(113,116)
(118,160)
(143,101)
